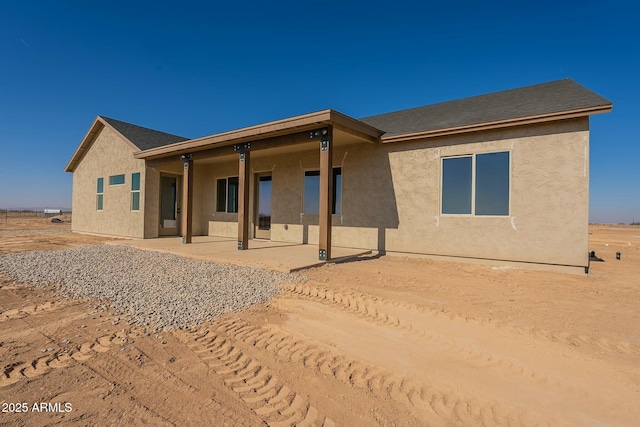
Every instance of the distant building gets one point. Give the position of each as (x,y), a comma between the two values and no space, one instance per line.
(502,177)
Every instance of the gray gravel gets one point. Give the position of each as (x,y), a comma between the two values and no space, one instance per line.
(157,290)
(30,232)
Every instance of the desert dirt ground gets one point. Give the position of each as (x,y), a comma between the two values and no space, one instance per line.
(382,341)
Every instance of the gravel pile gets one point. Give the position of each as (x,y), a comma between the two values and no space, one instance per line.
(30,232)
(156,290)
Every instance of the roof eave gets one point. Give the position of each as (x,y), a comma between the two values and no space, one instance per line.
(497,124)
(86,142)
(266,130)
(98,124)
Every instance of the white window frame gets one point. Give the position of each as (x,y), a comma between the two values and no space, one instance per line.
(124,179)
(136,191)
(473,183)
(99,194)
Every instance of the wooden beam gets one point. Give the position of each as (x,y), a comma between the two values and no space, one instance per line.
(244,175)
(278,141)
(326,194)
(187,201)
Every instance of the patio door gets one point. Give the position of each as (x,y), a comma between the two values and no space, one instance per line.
(263,207)
(169,206)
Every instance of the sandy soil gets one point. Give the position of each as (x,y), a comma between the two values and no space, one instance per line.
(33,241)
(386,341)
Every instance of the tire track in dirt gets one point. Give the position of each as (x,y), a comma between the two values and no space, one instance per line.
(363,303)
(143,368)
(224,340)
(368,308)
(42,365)
(254,382)
(122,372)
(19,313)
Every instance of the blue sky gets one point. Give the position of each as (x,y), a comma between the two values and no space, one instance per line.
(198,68)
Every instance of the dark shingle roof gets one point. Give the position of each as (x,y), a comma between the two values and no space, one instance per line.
(143,138)
(541,99)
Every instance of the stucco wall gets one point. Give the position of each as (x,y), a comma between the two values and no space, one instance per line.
(152,203)
(548,221)
(108,155)
(391,196)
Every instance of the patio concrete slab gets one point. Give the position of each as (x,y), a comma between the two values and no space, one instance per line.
(276,256)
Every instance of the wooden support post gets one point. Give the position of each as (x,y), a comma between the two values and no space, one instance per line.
(326,193)
(243,199)
(187,199)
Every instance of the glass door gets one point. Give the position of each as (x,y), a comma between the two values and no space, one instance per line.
(169,211)
(263,212)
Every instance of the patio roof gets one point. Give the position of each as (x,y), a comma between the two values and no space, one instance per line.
(266,131)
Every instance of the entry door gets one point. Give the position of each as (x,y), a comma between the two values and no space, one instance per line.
(169,206)
(263,211)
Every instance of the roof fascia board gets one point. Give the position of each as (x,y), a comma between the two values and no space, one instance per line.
(84,145)
(355,127)
(96,127)
(238,135)
(498,124)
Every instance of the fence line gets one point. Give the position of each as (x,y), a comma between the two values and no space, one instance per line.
(5,214)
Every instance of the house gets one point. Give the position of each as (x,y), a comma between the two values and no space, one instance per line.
(502,177)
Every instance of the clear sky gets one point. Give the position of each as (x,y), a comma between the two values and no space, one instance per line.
(198,68)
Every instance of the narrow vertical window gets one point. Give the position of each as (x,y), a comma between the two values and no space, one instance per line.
(135,191)
(232,195)
(336,207)
(100,194)
(221,195)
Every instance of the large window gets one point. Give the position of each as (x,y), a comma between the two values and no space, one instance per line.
(135,191)
(476,185)
(116,179)
(227,195)
(312,192)
(99,194)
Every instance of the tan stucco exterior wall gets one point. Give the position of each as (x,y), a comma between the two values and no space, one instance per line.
(549,197)
(108,155)
(391,196)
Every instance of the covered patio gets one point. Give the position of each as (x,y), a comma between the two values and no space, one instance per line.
(320,131)
(275,256)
